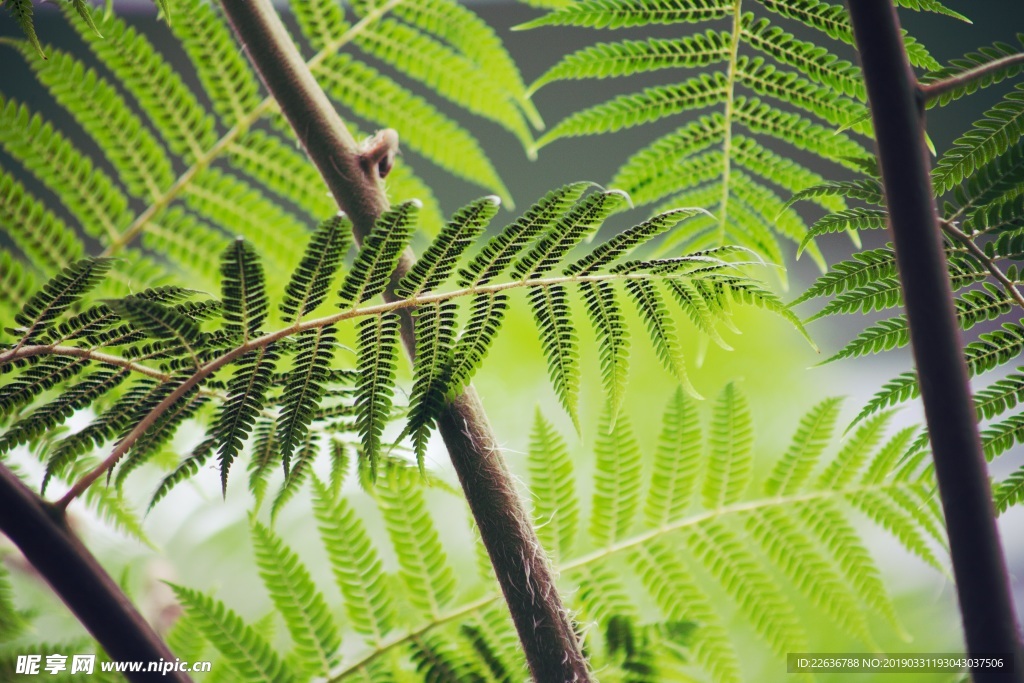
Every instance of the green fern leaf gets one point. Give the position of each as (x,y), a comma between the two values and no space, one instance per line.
(629,57)
(436,658)
(162,95)
(775,168)
(581,222)
(609,325)
(649,105)
(223,70)
(473,38)
(1010,491)
(1001,126)
(378,355)
(296,474)
(881,508)
(40,234)
(560,344)
(618,483)
(355,563)
(439,260)
(139,159)
(677,463)
(321,21)
(661,329)
(380,251)
(435,327)
(1002,436)
(487,312)
(157,436)
(245,298)
(670,583)
(854,453)
(300,604)
(81,395)
(755,591)
(306,385)
(422,563)
(614,14)
(247,390)
(499,251)
(445,71)
(552,482)
(864,267)
(814,61)
(630,239)
(159,322)
(868,190)
(1000,396)
(88,192)
(246,651)
(264,455)
(730,465)
(311,281)
(57,295)
(931,6)
(792,471)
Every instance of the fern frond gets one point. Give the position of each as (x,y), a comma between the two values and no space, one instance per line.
(223,70)
(854,453)
(730,465)
(314,275)
(613,14)
(755,591)
(170,105)
(262,458)
(677,463)
(793,470)
(306,385)
(445,71)
(303,608)
(378,255)
(559,341)
(629,57)
(140,160)
(1002,436)
(1000,396)
(972,60)
(889,515)
(618,483)
(651,104)
(487,312)
(378,356)
(661,329)
(355,564)
(581,222)
(423,565)
(435,327)
(246,394)
(157,436)
(781,538)
(1010,491)
(245,298)
(775,168)
(160,322)
(56,296)
(552,483)
(498,252)
(246,650)
(1001,126)
(612,339)
(812,60)
(439,260)
(88,192)
(861,269)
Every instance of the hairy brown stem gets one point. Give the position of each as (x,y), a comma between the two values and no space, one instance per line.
(41,532)
(979,567)
(549,642)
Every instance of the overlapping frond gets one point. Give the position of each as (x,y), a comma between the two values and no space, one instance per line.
(754,75)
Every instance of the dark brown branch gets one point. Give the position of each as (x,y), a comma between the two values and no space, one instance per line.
(983,588)
(549,641)
(41,533)
(937,89)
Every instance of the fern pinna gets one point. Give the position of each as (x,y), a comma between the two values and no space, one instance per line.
(771,94)
(163,172)
(179,354)
(768,538)
(979,183)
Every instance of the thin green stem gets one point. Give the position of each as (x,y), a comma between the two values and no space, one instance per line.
(730,95)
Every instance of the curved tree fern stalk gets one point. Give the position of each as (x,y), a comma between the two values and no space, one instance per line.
(761,539)
(544,627)
(979,566)
(753,76)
